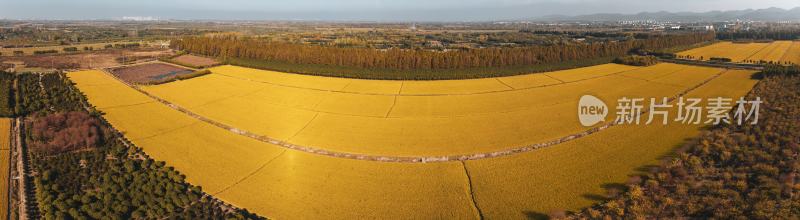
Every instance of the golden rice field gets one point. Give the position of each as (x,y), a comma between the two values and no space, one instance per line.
(401,118)
(5,159)
(793,54)
(777,51)
(481,115)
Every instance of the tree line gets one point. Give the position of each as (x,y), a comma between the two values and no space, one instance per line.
(636,60)
(85,171)
(760,35)
(414,59)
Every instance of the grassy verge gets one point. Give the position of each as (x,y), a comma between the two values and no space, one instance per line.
(419,74)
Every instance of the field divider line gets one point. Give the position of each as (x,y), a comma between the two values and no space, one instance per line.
(671,73)
(759,51)
(580,80)
(786,52)
(350,82)
(304,127)
(551,77)
(250,174)
(314,108)
(472,191)
(394,103)
(399,159)
(166,131)
(400,91)
(129,105)
(653,82)
(231,97)
(510,88)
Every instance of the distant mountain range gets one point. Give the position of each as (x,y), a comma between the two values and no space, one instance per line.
(768,14)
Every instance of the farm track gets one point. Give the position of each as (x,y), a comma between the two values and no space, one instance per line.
(399,159)
(28,206)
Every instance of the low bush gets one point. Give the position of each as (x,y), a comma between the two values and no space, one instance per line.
(636,60)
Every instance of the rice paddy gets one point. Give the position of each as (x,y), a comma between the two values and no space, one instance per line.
(782,52)
(402,118)
(5,159)
(481,115)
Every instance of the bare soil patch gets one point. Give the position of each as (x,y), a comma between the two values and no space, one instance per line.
(149,73)
(195,61)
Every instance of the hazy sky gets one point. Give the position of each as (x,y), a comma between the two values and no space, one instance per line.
(381,10)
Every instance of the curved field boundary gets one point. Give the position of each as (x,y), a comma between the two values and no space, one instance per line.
(431,94)
(388,113)
(398,159)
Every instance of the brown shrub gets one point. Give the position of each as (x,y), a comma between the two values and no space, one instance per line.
(61,132)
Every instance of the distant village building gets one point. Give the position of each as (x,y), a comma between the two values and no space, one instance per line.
(163,44)
(434,44)
(13,65)
(700,28)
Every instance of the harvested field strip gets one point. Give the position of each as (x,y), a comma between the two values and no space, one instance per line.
(573,174)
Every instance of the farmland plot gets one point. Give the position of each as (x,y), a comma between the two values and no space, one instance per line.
(481,115)
(740,52)
(194,61)
(278,182)
(773,52)
(149,73)
(5,159)
(274,181)
(572,175)
(792,54)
